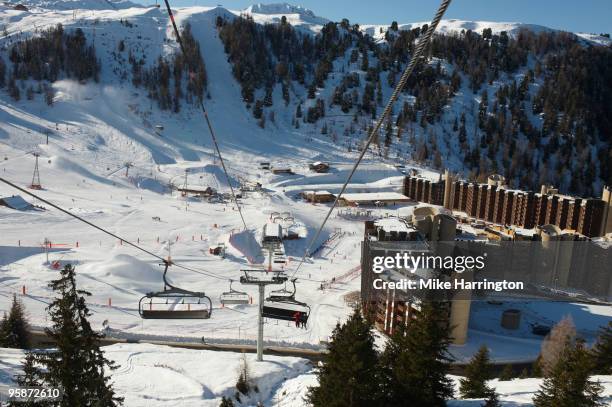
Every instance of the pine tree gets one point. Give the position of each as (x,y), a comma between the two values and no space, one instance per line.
(568,384)
(415,362)
(77,365)
(602,351)
(492,400)
(507,373)
(364,60)
(258,110)
(536,368)
(13,89)
(243,384)
(30,378)
(14,328)
(4,332)
(347,376)
(477,373)
(226,402)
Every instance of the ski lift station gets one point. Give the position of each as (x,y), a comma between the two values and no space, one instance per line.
(272,234)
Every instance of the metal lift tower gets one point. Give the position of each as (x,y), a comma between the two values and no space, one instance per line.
(261,278)
(36,176)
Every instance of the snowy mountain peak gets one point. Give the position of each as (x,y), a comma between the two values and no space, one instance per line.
(297,16)
(279,8)
(455,26)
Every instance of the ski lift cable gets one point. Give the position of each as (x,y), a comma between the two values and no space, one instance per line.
(418,53)
(205,113)
(67,212)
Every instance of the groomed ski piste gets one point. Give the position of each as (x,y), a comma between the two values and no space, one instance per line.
(97,128)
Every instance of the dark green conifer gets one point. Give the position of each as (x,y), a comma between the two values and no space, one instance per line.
(507,373)
(477,374)
(415,362)
(347,375)
(77,365)
(602,351)
(14,327)
(568,383)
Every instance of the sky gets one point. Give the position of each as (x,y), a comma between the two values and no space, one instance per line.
(570,15)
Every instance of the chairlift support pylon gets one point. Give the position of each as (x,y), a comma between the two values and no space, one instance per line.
(36,175)
(261,278)
(194,305)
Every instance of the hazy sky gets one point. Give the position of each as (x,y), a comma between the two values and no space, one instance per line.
(571,15)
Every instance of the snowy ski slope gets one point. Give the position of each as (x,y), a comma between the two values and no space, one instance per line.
(96,128)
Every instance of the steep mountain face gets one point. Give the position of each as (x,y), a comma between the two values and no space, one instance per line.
(529,102)
(526,101)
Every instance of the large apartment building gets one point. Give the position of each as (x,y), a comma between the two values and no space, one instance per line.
(387,237)
(496,203)
(553,264)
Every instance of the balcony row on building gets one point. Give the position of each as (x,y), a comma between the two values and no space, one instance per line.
(494,202)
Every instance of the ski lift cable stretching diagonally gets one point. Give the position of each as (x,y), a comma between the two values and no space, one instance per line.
(418,53)
(202,305)
(207,119)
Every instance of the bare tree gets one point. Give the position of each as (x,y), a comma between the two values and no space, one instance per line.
(560,336)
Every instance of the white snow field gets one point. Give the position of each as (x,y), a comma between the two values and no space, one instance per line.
(154,375)
(96,128)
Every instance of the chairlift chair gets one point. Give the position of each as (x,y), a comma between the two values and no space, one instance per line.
(185,304)
(278,305)
(234,297)
(281,294)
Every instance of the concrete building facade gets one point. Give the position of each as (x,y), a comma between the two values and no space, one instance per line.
(494,202)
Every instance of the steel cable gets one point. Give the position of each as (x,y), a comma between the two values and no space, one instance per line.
(205,113)
(418,53)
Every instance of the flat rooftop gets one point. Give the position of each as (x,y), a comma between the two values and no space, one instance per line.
(375,196)
(394,225)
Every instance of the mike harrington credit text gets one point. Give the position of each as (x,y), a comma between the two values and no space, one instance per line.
(458,264)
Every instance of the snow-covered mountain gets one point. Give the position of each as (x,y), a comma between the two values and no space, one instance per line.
(145,31)
(74,4)
(455,26)
(296,15)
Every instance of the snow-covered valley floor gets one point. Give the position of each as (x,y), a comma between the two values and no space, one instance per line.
(153,375)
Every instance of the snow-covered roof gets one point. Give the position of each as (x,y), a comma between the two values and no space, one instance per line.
(394,225)
(16,202)
(375,196)
(194,188)
(272,230)
(324,192)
